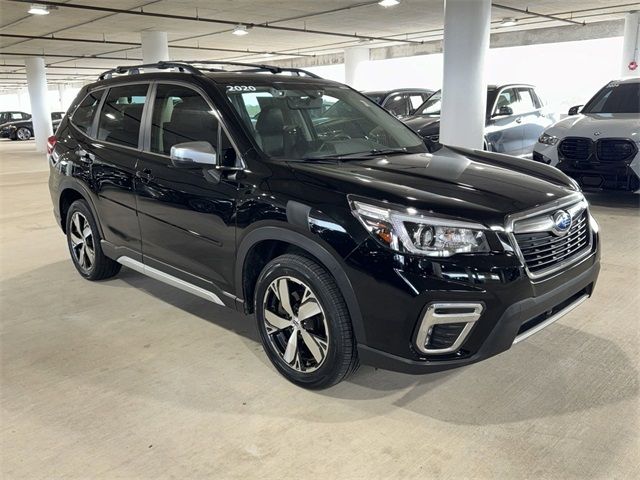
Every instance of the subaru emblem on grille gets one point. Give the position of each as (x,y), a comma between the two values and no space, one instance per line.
(561,222)
(596,134)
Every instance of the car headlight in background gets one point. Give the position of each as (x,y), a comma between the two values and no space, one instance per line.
(410,232)
(547,139)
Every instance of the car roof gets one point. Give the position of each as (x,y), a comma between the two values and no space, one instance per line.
(396,90)
(263,78)
(628,80)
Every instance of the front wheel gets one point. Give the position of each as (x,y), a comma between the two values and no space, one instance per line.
(304,322)
(23,133)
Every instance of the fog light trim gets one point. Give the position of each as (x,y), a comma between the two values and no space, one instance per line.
(450,312)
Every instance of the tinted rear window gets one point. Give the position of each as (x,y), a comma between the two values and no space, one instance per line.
(83,116)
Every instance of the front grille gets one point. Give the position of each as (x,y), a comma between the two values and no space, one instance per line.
(544,250)
(615,150)
(575,148)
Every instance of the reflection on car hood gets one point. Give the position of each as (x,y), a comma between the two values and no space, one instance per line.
(595,126)
(423,124)
(458,182)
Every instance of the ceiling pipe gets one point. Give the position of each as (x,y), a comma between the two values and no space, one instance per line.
(83,57)
(234,23)
(543,15)
(138,45)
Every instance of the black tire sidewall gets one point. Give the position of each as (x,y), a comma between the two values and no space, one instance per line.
(325,375)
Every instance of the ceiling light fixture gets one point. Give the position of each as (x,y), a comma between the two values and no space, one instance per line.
(240,30)
(39,9)
(508,22)
(388,3)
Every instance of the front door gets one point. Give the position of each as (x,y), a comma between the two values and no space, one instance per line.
(504,131)
(187,216)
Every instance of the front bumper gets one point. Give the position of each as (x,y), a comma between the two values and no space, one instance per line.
(394,302)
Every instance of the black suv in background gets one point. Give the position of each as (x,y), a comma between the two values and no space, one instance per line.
(347,239)
(401,102)
(516,116)
(22,128)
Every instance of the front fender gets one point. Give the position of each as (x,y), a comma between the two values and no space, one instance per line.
(315,246)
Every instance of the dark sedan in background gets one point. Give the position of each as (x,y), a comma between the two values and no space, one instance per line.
(516,116)
(21,128)
(401,102)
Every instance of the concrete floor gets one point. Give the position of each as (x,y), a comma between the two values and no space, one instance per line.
(129,378)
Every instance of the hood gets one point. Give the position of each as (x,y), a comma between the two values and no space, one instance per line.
(460,183)
(595,126)
(423,124)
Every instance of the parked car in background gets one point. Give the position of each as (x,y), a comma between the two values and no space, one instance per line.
(22,129)
(401,101)
(516,116)
(599,145)
(9,116)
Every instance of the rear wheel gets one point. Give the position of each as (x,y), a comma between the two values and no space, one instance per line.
(83,239)
(23,133)
(304,322)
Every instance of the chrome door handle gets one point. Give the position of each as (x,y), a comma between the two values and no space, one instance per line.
(519,120)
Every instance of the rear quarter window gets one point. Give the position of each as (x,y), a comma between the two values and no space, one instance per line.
(83,116)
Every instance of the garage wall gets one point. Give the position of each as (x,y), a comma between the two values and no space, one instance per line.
(566,74)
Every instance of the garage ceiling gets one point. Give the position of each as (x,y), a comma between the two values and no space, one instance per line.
(79,40)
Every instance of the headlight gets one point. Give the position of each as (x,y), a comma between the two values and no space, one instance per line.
(547,139)
(411,232)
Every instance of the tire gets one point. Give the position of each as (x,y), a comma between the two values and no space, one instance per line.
(83,239)
(327,326)
(23,133)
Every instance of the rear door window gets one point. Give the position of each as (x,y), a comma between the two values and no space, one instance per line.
(82,118)
(121,115)
(398,105)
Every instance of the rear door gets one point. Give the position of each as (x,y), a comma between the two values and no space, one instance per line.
(187,216)
(112,157)
(505,132)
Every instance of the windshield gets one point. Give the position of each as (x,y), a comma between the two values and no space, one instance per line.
(306,121)
(615,98)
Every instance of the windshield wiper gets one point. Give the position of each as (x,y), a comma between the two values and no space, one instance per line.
(369,153)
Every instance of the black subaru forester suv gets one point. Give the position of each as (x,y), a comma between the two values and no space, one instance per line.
(299,200)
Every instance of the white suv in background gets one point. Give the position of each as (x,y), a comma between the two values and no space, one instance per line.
(599,145)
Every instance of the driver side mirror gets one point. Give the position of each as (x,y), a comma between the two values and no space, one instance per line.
(504,111)
(193,155)
(575,110)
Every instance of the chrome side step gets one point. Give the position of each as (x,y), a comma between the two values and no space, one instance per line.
(169,279)
(551,319)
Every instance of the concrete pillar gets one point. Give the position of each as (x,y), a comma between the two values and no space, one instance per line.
(40,114)
(631,44)
(155,47)
(464,86)
(353,59)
